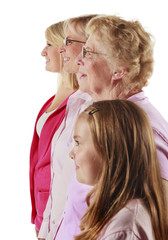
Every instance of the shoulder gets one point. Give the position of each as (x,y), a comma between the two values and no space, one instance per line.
(131,222)
(157,121)
(79,95)
(78,101)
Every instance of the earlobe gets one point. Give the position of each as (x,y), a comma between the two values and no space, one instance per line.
(119,75)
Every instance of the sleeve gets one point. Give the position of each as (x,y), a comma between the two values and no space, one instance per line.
(162,153)
(45,223)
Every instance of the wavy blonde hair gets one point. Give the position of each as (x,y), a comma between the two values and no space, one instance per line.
(124,140)
(127,45)
(55,35)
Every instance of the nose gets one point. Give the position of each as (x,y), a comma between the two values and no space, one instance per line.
(44,52)
(79,60)
(61,49)
(71,154)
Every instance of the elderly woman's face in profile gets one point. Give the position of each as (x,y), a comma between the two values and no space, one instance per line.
(93,66)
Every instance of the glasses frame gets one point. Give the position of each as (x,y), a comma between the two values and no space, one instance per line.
(65,41)
(84,52)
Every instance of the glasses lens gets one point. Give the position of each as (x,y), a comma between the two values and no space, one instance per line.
(83,51)
(65,41)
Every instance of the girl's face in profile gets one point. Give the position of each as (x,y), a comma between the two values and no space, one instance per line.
(52,56)
(84,153)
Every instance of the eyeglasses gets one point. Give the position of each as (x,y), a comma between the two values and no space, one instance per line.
(68,41)
(85,53)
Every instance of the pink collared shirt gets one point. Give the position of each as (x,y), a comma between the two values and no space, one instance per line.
(160,129)
(62,166)
(77,193)
(40,154)
(131,222)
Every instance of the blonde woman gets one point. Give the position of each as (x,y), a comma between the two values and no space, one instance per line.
(48,121)
(117,62)
(115,153)
(62,167)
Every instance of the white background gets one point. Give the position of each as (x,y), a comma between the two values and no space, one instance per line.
(25,86)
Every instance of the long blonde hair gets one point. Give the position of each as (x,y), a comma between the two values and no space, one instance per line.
(124,140)
(55,35)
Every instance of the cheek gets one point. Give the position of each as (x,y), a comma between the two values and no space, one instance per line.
(76,50)
(93,167)
(90,69)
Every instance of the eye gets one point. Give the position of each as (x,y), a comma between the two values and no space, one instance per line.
(49,44)
(76,142)
(88,54)
(68,41)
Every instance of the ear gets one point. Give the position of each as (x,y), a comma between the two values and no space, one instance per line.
(118,75)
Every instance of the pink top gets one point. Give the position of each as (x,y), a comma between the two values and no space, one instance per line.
(160,129)
(62,166)
(75,208)
(78,192)
(131,222)
(40,154)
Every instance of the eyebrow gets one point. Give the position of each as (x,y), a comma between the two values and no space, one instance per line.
(88,48)
(76,136)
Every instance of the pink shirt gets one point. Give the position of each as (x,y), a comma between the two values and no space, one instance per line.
(62,166)
(131,223)
(77,192)
(40,154)
(160,129)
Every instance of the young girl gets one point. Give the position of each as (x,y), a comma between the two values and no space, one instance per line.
(115,153)
(48,121)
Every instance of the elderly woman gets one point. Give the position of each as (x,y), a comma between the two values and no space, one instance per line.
(116,63)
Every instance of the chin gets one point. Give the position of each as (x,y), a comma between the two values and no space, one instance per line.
(83,89)
(67,70)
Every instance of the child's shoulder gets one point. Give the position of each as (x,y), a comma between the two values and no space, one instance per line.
(132,221)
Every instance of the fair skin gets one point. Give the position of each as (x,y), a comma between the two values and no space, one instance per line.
(50,52)
(53,58)
(71,51)
(84,154)
(94,68)
(90,70)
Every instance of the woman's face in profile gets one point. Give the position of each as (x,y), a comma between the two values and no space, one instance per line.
(52,56)
(93,65)
(71,51)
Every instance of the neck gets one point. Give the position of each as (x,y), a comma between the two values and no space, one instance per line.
(64,81)
(112,94)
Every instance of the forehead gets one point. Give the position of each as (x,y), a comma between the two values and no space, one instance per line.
(94,42)
(82,125)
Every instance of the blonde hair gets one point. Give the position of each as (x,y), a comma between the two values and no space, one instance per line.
(55,35)
(124,140)
(78,24)
(126,44)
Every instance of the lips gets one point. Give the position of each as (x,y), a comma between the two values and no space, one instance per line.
(47,60)
(82,75)
(76,167)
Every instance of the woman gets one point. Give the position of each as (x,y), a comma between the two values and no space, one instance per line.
(48,120)
(127,199)
(61,167)
(117,61)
